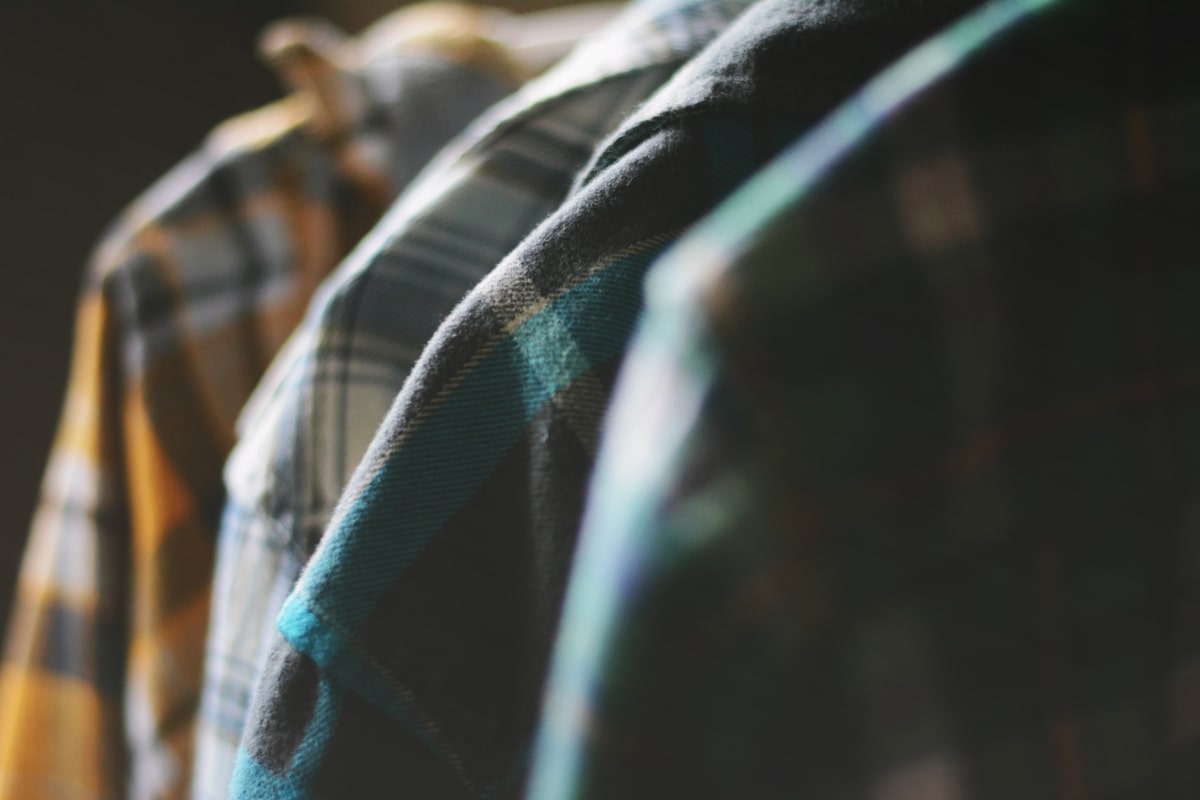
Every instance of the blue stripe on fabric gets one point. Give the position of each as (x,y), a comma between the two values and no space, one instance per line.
(453,450)
(308,633)
(314,746)
(253,780)
(318,640)
(447,457)
(360,673)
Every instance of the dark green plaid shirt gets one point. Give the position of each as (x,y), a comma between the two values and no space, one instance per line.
(900,492)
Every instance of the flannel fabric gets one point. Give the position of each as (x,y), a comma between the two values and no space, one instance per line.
(899,496)
(415,644)
(315,413)
(184,303)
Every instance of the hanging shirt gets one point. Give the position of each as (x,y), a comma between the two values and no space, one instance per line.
(899,495)
(184,303)
(315,413)
(414,646)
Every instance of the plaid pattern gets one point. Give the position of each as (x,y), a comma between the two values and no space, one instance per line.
(899,498)
(415,644)
(186,300)
(317,410)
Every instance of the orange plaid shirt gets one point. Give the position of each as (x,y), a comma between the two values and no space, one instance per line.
(185,302)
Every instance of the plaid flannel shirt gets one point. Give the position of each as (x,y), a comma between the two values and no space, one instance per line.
(184,303)
(899,498)
(315,413)
(415,644)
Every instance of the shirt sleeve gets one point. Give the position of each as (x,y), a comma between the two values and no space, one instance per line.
(62,680)
(105,653)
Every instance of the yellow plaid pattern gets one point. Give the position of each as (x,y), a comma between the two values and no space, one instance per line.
(185,302)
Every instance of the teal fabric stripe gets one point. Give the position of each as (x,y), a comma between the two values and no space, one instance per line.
(451,453)
(310,752)
(251,779)
(591,605)
(299,624)
(309,634)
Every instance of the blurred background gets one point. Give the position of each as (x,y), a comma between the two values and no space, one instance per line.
(97,100)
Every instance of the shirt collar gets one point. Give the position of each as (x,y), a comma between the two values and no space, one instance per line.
(727,75)
(647,33)
(332,74)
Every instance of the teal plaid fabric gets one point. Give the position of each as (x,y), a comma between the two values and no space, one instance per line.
(900,494)
(414,648)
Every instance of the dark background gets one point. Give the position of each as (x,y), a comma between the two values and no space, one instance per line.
(97,100)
